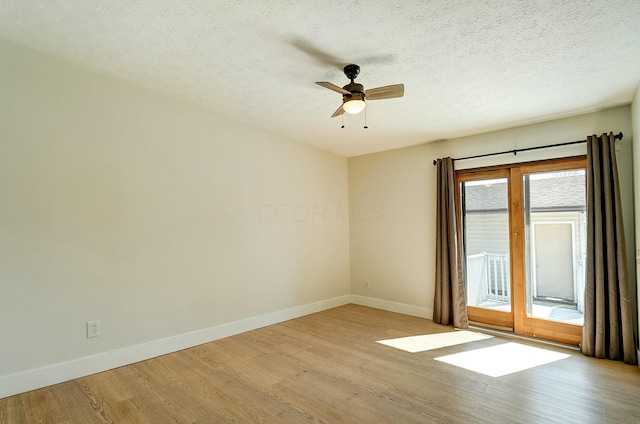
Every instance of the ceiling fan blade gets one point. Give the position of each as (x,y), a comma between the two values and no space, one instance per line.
(338,112)
(386,92)
(333,87)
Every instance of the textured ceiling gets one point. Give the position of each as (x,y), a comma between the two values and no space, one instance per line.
(468,66)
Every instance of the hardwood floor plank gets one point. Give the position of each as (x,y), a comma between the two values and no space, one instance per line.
(329,368)
(12,411)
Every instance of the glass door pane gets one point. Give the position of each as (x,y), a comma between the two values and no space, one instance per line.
(555,244)
(485,215)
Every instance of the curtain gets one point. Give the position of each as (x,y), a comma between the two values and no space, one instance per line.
(449,305)
(608,320)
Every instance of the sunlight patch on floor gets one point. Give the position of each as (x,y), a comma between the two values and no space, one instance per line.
(414,344)
(496,361)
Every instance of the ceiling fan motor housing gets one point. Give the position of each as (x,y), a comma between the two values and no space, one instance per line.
(353,96)
(354,88)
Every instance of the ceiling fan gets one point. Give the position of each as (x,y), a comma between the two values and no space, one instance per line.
(354,94)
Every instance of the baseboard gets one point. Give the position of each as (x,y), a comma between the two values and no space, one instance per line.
(21,382)
(386,305)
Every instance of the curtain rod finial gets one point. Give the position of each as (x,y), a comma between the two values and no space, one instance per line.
(618,136)
(435,162)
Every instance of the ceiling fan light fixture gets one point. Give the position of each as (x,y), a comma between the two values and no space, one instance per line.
(353,106)
(354,94)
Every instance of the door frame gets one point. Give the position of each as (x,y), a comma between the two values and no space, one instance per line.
(517,320)
(497,319)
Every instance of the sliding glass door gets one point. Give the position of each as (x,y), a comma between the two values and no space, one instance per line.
(524,238)
(484,198)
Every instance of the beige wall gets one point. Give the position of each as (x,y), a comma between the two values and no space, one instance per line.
(396,250)
(162,220)
(635,119)
(151,215)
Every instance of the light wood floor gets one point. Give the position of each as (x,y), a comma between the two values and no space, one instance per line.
(328,368)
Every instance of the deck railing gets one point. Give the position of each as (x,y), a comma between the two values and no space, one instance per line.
(488,278)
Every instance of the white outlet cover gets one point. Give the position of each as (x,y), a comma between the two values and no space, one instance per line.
(93,329)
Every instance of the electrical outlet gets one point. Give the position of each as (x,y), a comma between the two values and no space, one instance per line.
(367,284)
(93,329)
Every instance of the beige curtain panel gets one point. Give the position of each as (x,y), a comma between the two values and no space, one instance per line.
(608,318)
(449,305)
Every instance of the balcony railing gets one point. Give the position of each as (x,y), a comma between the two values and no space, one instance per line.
(488,278)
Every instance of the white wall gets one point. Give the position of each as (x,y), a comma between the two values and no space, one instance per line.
(395,248)
(151,215)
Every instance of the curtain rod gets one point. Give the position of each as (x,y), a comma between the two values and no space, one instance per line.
(526,149)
